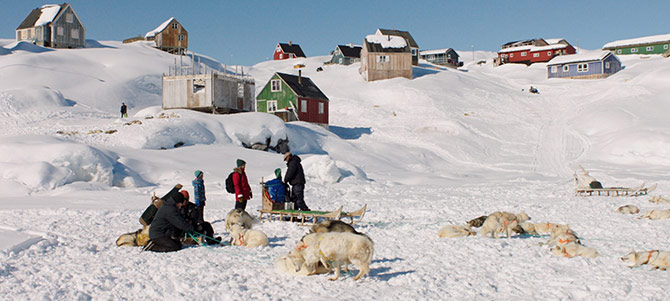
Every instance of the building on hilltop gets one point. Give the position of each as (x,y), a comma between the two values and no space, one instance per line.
(584,66)
(533,51)
(658,44)
(346,54)
(293,98)
(413,46)
(445,57)
(384,57)
(53,25)
(170,37)
(288,51)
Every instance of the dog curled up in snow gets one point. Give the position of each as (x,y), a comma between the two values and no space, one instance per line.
(240,217)
(542,228)
(287,264)
(656,214)
(502,222)
(655,258)
(456,231)
(337,248)
(573,249)
(138,238)
(247,237)
(561,236)
(628,209)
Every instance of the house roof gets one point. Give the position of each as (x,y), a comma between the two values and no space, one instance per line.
(401,33)
(390,43)
(306,88)
(158,29)
(350,50)
(638,41)
(293,48)
(534,41)
(437,51)
(41,16)
(554,41)
(532,48)
(581,57)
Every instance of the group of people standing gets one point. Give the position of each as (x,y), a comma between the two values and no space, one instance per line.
(177,215)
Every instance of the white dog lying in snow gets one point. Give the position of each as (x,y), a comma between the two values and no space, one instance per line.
(456,231)
(286,264)
(628,209)
(502,222)
(656,214)
(573,249)
(247,237)
(657,199)
(339,248)
(657,259)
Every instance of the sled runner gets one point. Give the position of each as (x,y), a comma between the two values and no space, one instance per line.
(586,185)
(277,209)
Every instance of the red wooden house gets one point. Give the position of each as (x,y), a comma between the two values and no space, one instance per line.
(533,51)
(288,51)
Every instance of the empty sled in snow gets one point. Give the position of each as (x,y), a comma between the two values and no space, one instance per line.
(586,185)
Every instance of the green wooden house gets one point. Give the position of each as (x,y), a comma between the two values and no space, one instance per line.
(659,44)
(293,98)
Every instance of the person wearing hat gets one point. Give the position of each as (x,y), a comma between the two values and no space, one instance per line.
(199,195)
(124,110)
(168,223)
(241,183)
(296,177)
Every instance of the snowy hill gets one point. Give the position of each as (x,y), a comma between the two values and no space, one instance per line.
(445,147)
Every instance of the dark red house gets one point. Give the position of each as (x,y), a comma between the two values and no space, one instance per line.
(533,51)
(288,51)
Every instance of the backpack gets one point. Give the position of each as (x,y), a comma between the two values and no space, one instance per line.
(276,190)
(230,185)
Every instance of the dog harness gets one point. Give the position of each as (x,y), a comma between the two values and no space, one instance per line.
(649,256)
(241,239)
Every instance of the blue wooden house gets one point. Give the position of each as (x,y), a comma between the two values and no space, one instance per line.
(584,65)
(346,54)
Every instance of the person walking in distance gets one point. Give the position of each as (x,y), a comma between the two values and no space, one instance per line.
(241,183)
(295,176)
(124,110)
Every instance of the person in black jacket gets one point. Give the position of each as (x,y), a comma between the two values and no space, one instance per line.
(296,177)
(193,215)
(168,223)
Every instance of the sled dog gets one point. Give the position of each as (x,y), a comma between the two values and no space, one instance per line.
(655,258)
(240,217)
(456,231)
(477,222)
(628,209)
(247,237)
(332,226)
(338,248)
(502,222)
(573,249)
(656,214)
(286,264)
(657,199)
(138,238)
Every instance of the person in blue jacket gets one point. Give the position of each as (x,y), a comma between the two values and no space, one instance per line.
(199,192)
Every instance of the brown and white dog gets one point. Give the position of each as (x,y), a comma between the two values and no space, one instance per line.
(240,217)
(332,226)
(502,222)
(656,214)
(138,238)
(573,249)
(628,209)
(337,248)
(247,237)
(456,231)
(655,258)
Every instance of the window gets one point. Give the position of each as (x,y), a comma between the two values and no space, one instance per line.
(536,54)
(607,65)
(382,59)
(548,53)
(175,25)
(583,68)
(59,30)
(413,52)
(524,53)
(633,50)
(665,46)
(240,90)
(181,37)
(511,55)
(566,68)
(554,69)
(449,56)
(340,60)
(68,18)
(271,105)
(650,48)
(303,106)
(276,85)
(75,33)
(321,108)
(618,51)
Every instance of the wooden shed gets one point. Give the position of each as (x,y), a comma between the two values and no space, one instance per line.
(658,44)
(53,25)
(584,66)
(346,54)
(293,98)
(384,57)
(445,57)
(533,51)
(413,46)
(170,36)
(287,51)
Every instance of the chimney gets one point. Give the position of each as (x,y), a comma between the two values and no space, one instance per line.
(389,37)
(290,43)
(299,77)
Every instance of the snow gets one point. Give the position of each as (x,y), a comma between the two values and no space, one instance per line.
(442,148)
(638,41)
(158,29)
(49,12)
(553,41)
(387,41)
(579,57)
(434,51)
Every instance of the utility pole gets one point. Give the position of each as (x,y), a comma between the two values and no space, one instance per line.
(473,52)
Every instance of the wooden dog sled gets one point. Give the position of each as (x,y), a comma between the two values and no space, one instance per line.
(273,210)
(586,185)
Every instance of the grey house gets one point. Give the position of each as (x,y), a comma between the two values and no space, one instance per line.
(346,54)
(445,57)
(53,25)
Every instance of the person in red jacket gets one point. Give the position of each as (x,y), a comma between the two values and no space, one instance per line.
(241,183)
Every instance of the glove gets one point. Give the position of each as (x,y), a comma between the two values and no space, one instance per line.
(239,199)
(251,195)
(178,186)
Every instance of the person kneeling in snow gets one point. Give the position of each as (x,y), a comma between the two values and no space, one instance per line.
(168,224)
(193,215)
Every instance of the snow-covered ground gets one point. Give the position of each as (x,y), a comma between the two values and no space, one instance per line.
(443,148)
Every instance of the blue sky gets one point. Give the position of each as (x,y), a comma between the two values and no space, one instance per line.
(245,32)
